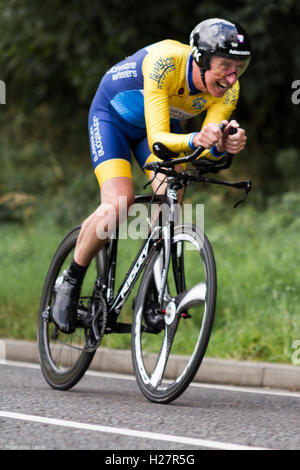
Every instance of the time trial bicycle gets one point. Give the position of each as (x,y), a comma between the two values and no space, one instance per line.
(180,260)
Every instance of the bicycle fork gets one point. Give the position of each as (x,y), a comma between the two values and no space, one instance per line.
(161,269)
(186,298)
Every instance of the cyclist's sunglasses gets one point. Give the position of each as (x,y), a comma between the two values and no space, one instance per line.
(222,66)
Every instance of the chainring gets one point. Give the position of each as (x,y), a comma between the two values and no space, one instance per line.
(95,333)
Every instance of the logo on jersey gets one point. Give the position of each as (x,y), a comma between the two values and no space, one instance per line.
(231,96)
(161,68)
(127,70)
(199,103)
(96,140)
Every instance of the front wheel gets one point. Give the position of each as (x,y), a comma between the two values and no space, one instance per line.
(166,362)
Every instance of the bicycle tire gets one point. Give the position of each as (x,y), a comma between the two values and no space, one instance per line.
(158,383)
(65,360)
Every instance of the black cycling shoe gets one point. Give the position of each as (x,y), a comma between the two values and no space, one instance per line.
(153,317)
(64,309)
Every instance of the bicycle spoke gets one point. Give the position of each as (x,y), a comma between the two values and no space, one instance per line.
(163,357)
(193,296)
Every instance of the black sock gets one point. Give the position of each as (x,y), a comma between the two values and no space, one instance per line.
(77,271)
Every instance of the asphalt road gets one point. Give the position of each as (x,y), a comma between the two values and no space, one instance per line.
(106,411)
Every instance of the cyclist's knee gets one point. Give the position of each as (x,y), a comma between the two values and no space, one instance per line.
(117,208)
(117,193)
(117,196)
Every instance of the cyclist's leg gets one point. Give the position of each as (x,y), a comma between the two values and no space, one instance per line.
(111,160)
(117,195)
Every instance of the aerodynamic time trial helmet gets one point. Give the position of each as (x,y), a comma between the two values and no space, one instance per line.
(223,38)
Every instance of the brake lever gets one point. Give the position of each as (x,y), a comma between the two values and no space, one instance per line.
(247,185)
(156,168)
(242,200)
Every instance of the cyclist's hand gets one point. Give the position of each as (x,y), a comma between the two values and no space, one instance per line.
(208,136)
(234,143)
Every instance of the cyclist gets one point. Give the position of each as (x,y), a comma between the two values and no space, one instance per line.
(140,101)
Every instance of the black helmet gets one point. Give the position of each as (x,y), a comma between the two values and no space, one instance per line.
(222,38)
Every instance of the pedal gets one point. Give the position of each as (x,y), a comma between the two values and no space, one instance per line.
(185,315)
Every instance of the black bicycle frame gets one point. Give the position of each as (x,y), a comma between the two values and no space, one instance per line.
(158,237)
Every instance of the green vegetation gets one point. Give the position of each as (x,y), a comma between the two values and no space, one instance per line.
(258,306)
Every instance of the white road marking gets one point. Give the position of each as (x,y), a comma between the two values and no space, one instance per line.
(113,375)
(191,441)
(236,388)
